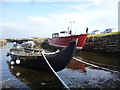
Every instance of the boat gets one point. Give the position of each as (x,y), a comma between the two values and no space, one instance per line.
(33,58)
(28,44)
(62,39)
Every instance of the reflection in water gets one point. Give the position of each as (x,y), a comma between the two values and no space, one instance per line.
(76,65)
(109,60)
(93,78)
(34,78)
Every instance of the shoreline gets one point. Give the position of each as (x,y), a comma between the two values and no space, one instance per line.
(3,42)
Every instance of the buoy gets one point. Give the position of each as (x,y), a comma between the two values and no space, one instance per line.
(12,67)
(12,52)
(17,61)
(12,62)
(18,74)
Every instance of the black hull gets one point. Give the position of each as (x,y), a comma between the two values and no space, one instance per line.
(58,61)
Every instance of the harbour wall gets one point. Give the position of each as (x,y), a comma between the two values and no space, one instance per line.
(108,43)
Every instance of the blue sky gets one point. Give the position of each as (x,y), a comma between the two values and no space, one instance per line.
(33,18)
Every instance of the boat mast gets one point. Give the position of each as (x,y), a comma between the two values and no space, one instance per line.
(71,26)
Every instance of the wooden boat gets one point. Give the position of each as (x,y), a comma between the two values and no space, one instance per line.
(33,58)
(60,41)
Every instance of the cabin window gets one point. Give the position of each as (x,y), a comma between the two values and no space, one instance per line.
(55,35)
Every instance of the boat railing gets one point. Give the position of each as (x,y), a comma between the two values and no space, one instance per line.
(30,52)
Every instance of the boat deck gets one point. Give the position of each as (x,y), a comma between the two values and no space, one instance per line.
(26,52)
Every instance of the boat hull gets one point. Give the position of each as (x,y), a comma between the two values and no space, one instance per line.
(62,42)
(58,61)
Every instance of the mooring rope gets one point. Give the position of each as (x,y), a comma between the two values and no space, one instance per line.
(9,86)
(70,80)
(95,65)
(54,71)
(9,79)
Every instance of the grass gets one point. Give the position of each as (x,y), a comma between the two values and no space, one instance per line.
(41,39)
(2,40)
(70,80)
(103,34)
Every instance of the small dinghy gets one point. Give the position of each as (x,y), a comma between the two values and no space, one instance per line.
(33,58)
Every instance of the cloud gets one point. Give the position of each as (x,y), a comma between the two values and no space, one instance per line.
(96,15)
(100,14)
(11,30)
(31,27)
(11,25)
(32,1)
(97,2)
(41,20)
(104,14)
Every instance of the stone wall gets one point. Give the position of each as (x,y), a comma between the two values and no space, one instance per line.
(109,43)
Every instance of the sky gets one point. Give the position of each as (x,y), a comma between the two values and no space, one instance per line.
(37,18)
